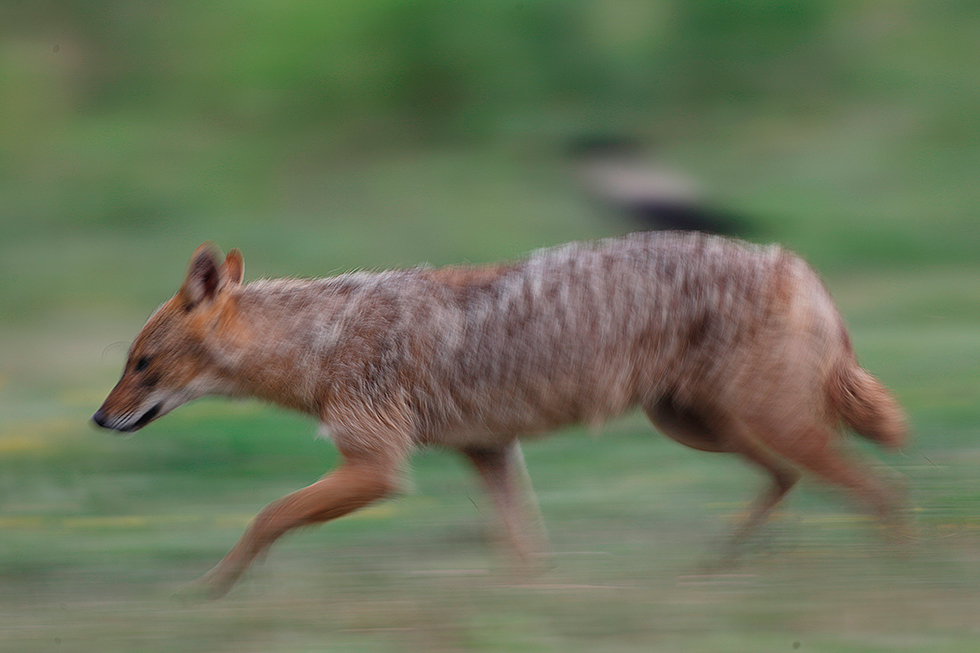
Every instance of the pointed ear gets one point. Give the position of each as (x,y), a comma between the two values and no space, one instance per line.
(232,270)
(202,278)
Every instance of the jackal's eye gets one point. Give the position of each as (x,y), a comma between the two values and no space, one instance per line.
(142,363)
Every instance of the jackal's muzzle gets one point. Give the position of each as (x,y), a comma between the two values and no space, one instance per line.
(126,423)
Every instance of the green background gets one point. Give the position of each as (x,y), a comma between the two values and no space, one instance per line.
(324,136)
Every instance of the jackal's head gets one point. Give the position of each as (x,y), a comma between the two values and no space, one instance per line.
(170,362)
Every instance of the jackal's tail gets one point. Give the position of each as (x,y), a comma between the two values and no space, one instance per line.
(867,407)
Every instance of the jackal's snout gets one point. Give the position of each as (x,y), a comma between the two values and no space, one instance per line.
(101,419)
(126,423)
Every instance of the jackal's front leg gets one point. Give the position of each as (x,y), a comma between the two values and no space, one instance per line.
(350,487)
(505,475)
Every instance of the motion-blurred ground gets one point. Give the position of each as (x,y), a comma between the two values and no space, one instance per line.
(324,136)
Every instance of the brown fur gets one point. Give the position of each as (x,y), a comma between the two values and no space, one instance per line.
(726,347)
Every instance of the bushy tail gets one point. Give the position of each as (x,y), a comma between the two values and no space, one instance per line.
(867,407)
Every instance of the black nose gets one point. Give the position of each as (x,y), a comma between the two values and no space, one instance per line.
(100,418)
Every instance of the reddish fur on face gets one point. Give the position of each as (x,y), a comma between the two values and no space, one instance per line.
(726,346)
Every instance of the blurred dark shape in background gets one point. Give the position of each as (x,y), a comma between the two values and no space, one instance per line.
(621,176)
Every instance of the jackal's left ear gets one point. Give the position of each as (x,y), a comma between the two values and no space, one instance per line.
(201,283)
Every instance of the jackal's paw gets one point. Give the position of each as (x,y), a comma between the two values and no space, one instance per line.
(191,594)
(206,588)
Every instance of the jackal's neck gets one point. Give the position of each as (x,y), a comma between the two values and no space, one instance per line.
(281,337)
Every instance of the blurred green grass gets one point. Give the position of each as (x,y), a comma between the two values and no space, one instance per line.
(348,136)
(98,532)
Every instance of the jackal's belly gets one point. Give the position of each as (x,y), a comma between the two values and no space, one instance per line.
(499,416)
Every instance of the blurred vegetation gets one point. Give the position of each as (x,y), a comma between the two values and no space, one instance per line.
(150,114)
(331,134)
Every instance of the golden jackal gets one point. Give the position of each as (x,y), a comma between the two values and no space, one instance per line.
(725,346)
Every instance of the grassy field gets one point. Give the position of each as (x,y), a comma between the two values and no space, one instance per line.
(97,533)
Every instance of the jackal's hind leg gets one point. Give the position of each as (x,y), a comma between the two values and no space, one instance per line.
(708,429)
(505,475)
(783,477)
(814,450)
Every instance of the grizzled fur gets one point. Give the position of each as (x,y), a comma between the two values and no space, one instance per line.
(724,345)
